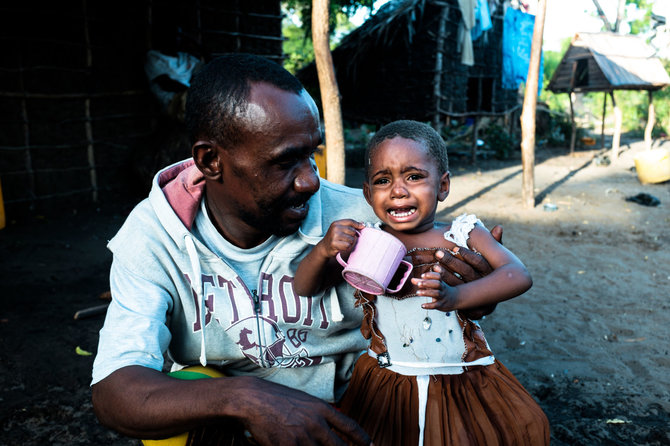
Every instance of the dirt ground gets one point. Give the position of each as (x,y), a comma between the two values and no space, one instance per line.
(590,340)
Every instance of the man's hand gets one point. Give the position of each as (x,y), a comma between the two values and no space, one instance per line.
(144,403)
(466,266)
(278,415)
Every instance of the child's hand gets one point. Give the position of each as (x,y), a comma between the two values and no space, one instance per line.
(341,237)
(430,284)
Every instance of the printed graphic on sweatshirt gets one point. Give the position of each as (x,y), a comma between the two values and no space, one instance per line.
(255,320)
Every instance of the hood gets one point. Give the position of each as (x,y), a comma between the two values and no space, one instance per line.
(176,194)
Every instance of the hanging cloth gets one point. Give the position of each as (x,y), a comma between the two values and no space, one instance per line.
(482,19)
(517,40)
(467,8)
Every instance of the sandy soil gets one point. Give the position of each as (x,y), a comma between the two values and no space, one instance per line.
(590,340)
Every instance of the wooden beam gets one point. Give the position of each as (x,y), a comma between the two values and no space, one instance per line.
(602,127)
(573,134)
(437,80)
(617,129)
(651,117)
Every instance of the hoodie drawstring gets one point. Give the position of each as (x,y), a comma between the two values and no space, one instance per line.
(199,292)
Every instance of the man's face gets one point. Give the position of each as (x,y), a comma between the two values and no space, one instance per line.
(268,178)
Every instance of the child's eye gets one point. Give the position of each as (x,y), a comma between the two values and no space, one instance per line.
(381,181)
(415,177)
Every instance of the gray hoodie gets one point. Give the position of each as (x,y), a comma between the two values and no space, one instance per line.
(165,283)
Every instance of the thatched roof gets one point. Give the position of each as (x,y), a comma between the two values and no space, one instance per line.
(606,62)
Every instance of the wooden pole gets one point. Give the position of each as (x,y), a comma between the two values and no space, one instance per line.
(651,117)
(330,95)
(437,81)
(475,136)
(573,126)
(529,108)
(602,127)
(88,126)
(617,128)
(28,159)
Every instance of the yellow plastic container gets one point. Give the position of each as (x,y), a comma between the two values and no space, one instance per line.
(653,166)
(194,372)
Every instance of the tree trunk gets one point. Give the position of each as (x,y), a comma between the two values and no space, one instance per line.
(529,107)
(620,13)
(330,95)
(602,16)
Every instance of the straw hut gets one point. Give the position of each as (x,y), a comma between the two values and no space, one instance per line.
(606,62)
(405,63)
(76,111)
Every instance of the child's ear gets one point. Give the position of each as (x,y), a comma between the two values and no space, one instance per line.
(443,191)
(366,192)
(206,157)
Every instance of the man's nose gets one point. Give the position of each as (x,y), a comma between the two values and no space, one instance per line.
(307,181)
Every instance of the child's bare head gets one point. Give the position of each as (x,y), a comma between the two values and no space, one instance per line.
(414,130)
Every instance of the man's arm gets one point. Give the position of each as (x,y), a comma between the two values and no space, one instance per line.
(144,403)
(467,266)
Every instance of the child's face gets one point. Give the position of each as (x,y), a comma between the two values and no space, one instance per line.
(404,185)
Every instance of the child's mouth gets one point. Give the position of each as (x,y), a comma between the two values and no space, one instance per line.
(402,212)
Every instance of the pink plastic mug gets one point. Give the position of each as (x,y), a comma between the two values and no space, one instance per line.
(374,261)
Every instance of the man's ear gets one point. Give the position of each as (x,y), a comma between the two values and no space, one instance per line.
(206,157)
(443,192)
(367,193)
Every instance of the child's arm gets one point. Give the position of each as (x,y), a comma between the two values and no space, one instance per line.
(509,278)
(317,266)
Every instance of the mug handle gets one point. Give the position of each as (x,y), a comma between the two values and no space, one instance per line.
(404,277)
(339,257)
(340,261)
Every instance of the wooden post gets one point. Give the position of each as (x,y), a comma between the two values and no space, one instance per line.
(617,128)
(28,159)
(88,126)
(651,117)
(437,80)
(602,127)
(573,126)
(330,95)
(150,24)
(475,136)
(529,107)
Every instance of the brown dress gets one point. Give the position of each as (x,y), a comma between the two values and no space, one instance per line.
(478,405)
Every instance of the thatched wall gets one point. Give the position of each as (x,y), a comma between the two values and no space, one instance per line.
(76,114)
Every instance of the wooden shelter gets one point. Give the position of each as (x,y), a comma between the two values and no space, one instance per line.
(75,105)
(404,63)
(607,62)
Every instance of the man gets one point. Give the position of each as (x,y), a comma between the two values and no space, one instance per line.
(203,272)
